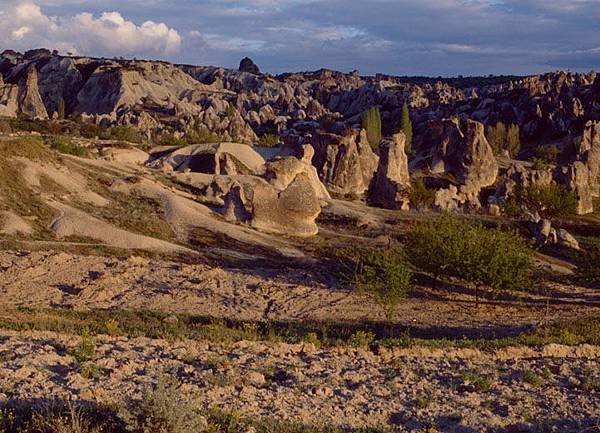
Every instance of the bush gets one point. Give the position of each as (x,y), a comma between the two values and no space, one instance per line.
(550,201)
(202,135)
(91,131)
(125,133)
(172,140)
(269,140)
(371,122)
(547,154)
(503,138)
(382,273)
(65,145)
(419,194)
(588,270)
(163,409)
(471,252)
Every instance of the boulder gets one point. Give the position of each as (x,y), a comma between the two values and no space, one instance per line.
(447,200)
(30,101)
(567,240)
(392,179)
(346,164)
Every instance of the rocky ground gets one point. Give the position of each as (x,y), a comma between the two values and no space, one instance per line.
(553,388)
(43,279)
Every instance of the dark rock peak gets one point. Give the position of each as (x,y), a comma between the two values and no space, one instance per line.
(247,65)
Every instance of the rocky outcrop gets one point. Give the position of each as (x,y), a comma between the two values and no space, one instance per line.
(589,154)
(577,178)
(389,185)
(291,212)
(30,101)
(247,65)
(345,164)
(468,157)
(9,99)
(216,158)
(447,200)
(282,171)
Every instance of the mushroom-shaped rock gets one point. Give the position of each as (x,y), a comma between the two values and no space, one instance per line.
(292,211)
(281,172)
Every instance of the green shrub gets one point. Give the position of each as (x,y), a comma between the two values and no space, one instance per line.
(361,339)
(125,133)
(163,409)
(419,194)
(452,247)
(65,145)
(588,269)
(85,350)
(371,122)
(503,138)
(382,273)
(269,140)
(550,201)
(172,140)
(202,135)
(91,131)
(480,382)
(547,154)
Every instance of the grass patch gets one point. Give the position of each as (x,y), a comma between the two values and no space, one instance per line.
(166,326)
(130,212)
(64,145)
(163,409)
(16,195)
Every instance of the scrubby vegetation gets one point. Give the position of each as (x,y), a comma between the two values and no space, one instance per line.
(504,138)
(162,409)
(451,247)
(269,140)
(382,273)
(420,195)
(550,201)
(64,144)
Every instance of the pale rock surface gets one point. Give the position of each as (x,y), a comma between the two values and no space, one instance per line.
(392,179)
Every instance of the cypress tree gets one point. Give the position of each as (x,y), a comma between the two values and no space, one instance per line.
(406,127)
(371,122)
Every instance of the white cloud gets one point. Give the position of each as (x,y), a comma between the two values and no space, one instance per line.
(24,25)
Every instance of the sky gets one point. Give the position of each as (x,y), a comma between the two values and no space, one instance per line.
(398,37)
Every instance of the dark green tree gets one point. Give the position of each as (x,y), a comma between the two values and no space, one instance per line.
(371,122)
(406,127)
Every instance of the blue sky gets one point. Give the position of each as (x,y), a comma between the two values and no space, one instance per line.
(402,37)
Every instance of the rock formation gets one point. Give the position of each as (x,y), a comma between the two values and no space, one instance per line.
(388,186)
(345,164)
(216,158)
(247,65)
(292,211)
(281,172)
(468,157)
(30,101)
